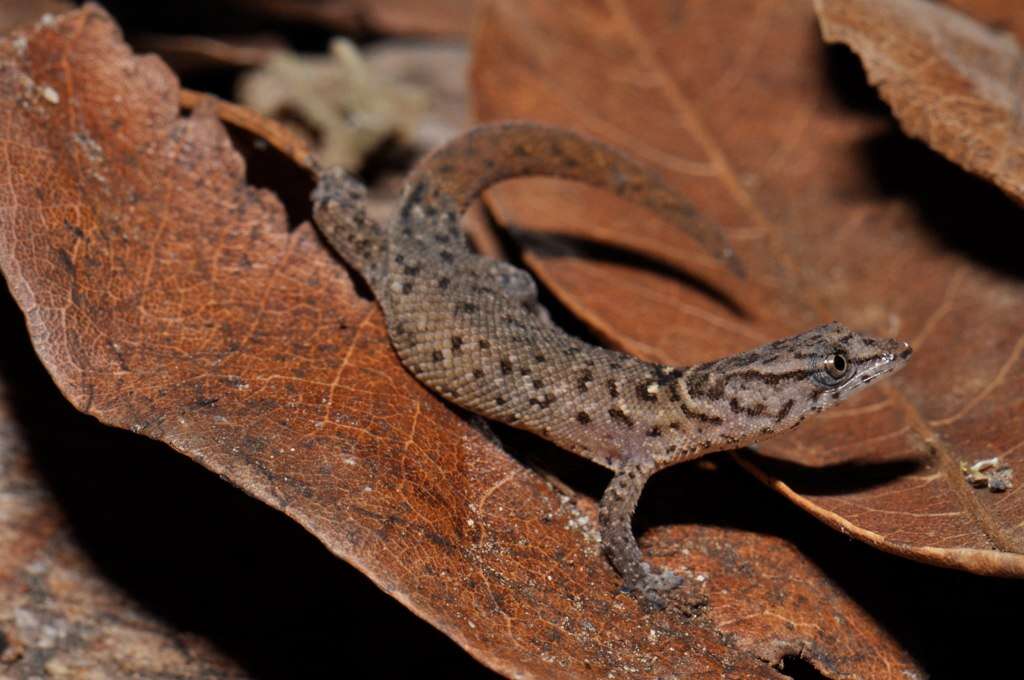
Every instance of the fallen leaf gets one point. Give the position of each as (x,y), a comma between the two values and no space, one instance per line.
(119,558)
(191,53)
(14,13)
(59,616)
(951,82)
(835,215)
(997,14)
(166,296)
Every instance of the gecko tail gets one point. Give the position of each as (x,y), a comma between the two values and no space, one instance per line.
(339,210)
(463,168)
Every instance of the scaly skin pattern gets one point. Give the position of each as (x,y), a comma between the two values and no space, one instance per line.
(470,328)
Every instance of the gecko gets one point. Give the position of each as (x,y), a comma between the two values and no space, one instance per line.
(471,329)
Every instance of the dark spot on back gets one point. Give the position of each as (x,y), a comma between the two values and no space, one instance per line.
(619,415)
(544,402)
(583,417)
(643,393)
(613,389)
(668,377)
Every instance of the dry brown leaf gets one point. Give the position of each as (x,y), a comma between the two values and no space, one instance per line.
(58,615)
(998,14)
(119,558)
(14,13)
(167,296)
(835,215)
(187,53)
(950,81)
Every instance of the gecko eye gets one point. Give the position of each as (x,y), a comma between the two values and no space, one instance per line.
(837,365)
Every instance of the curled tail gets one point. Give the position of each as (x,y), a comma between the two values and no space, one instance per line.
(467,165)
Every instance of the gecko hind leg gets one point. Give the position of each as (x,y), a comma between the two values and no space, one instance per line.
(513,281)
(340,211)
(616,514)
(517,285)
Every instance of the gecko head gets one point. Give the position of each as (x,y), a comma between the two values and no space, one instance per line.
(844,361)
(774,387)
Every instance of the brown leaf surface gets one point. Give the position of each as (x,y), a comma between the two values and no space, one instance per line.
(119,558)
(167,296)
(14,13)
(951,82)
(997,14)
(59,616)
(836,216)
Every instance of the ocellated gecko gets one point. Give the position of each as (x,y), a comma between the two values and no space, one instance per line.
(470,328)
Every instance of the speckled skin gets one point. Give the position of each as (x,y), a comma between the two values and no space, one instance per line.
(470,328)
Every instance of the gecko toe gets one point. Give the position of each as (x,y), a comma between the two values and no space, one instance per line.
(656,583)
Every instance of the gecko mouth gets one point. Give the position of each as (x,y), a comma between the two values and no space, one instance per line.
(891,358)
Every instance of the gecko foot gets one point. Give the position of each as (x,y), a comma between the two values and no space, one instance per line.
(651,584)
(656,583)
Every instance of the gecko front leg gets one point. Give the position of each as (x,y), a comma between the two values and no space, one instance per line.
(616,519)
